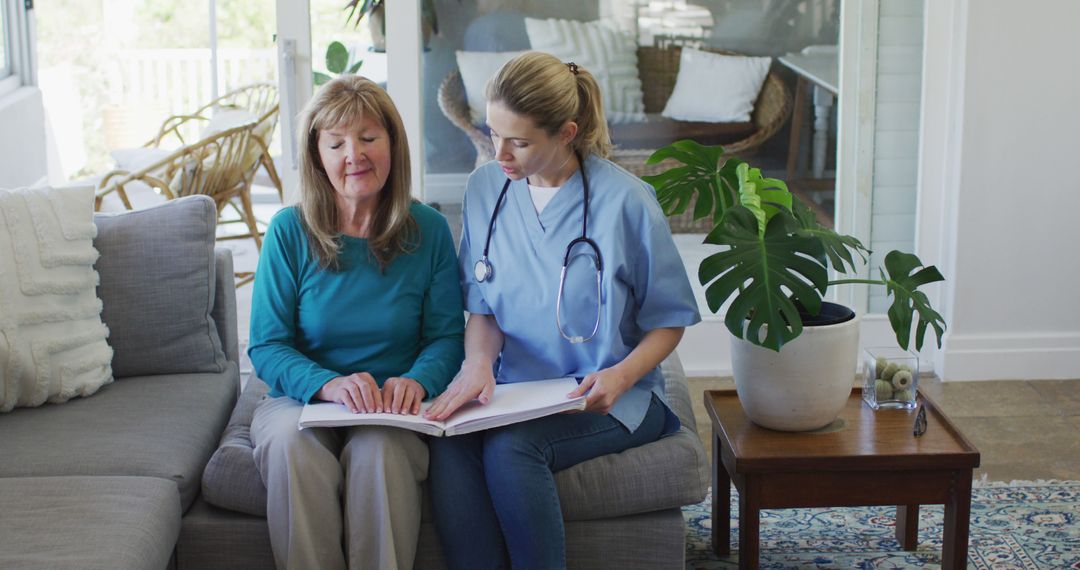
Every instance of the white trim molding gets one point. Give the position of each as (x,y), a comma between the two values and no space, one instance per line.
(856,108)
(1034,356)
(294,85)
(941,148)
(404,80)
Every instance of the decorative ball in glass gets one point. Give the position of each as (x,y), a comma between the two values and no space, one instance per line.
(890,377)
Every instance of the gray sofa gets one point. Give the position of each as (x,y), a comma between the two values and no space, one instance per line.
(156,469)
(621,510)
(102,481)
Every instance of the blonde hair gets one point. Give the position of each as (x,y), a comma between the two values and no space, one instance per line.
(344,100)
(550,92)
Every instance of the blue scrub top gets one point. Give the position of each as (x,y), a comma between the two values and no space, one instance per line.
(644,284)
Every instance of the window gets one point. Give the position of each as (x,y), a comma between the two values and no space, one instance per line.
(11,41)
(134,63)
(5,51)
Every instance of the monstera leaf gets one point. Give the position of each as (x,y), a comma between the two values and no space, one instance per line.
(837,247)
(769,271)
(701,175)
(764,197)
(901,281)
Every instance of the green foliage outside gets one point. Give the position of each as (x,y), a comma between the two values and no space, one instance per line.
(337,60)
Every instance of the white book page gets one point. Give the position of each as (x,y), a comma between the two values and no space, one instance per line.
(510,403)
(516,402)
(334,414)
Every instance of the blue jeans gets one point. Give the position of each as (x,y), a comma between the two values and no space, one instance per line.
(494,494)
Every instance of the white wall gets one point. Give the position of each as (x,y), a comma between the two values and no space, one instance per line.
(22,138)
(999,197)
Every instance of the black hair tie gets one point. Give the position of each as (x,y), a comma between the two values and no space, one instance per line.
(573,67)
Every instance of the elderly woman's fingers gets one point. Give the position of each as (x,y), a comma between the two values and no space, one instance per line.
(349,396)
(401,390)
(370,397)
(417,398)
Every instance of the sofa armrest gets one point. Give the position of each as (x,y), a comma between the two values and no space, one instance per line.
(224,311)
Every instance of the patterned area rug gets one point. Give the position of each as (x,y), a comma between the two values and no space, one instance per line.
(1018,525)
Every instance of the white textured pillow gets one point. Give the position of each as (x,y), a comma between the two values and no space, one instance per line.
(608,54)
(477,68)
(135,159)
(225,118)
(716,88)
(52,340)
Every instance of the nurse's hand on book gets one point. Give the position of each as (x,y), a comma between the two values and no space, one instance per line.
(475,381)
(402,396)
(358,392)
(604,388)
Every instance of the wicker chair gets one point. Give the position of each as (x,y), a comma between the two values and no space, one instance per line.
(658,69)
(259,99)
(221,166)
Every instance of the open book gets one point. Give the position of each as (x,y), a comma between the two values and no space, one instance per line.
(510,403)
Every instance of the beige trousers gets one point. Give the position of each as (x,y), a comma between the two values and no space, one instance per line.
(338,497)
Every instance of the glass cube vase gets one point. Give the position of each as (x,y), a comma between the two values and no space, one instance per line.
(890,378)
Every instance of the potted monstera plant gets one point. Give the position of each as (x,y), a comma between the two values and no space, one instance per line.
(792,352)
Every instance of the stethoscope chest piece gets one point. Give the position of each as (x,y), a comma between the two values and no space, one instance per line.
(482,270)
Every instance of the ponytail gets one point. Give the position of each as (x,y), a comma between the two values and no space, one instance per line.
(593,137)
(541,87)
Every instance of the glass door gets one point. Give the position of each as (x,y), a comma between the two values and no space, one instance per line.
(306,30)
(111,72)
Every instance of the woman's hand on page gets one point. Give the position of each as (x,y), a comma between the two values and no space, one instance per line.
(358,392)
(473,381)
(604,388)
(402,395)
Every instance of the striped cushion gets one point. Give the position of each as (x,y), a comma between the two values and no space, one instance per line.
(610,55)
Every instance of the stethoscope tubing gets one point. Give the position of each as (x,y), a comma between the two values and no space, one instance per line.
(483,270)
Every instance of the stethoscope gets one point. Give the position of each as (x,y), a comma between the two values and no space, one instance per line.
(482,270)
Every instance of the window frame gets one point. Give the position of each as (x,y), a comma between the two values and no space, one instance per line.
(16,71)
(5,35)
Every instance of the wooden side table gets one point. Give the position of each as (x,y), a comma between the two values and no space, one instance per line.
(865,458)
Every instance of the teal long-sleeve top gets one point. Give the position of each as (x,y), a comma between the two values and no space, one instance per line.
(310,325)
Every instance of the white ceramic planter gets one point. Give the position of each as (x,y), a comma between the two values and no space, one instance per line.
(805,385)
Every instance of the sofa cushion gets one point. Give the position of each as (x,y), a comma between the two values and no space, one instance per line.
(717,88)
(52,340)
(88,523)
(157,426)
(157,288)
(667,473)
(231,479)
(610,55)
(477,68)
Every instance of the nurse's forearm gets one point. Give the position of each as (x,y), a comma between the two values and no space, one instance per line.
(654,347)
(483,339)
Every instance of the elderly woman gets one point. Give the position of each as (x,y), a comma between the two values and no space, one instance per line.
(356,301)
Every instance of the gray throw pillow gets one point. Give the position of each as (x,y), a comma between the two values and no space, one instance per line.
(157,288)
